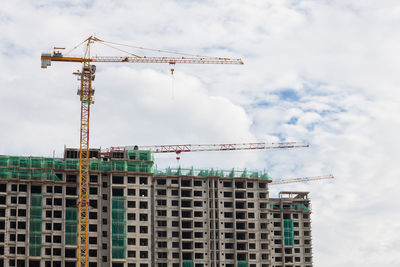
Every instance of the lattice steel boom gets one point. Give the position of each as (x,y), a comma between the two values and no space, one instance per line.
(218,147)
(299,180)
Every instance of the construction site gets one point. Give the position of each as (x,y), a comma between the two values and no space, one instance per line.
(112,207)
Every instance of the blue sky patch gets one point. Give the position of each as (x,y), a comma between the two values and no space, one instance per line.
(279,135)
(288,95)
(263,104)
(13,50)
(293,121)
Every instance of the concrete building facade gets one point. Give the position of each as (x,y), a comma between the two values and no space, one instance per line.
(139,217)
(290,224)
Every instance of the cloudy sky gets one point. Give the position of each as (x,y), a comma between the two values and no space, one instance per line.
(320,71)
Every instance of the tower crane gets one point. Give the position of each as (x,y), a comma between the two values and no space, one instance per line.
(303,179)
(178,149)
(220,147)
(228,147)
(86,91)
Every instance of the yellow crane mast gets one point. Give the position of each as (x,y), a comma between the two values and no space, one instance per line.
(86,77)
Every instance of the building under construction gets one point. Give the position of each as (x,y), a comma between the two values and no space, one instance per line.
(142,217)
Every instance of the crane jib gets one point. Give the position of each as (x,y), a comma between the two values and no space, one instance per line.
(167,60)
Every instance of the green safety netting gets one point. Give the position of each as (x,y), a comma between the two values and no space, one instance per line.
(118,227)
(296,206)
(288,232)
(71,226)
(243,263)
(71,164)
(213,172)
(28,174)
(121,165)
(29,168)
(4,161)
(140,155)
(13,161)
(274,207)
(187,263)
(35,225)
(300,206)
(26,162)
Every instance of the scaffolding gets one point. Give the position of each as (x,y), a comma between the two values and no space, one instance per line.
(35,168)
(35,225)
(288,232)
(71,226)
(118,227)
(295,206)
(141,155)
(26,162)
(28,174)
(233,173)
(107,166)
(300,206)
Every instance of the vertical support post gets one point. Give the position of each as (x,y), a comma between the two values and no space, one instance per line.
(214,222)
(83,205)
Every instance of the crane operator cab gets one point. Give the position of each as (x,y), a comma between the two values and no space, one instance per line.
(57,52)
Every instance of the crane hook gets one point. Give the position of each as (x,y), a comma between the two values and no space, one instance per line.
(177,155)
(172,68)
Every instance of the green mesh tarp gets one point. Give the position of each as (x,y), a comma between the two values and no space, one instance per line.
(146,156)
(118,227)
(123,165)
(35,225)
(28,174)
(94,165)
(48,163)
(35,168)
(288,232)
(72,164)
(26,162)
(59,164)
(4,161)
(37,163)
(108,166)
(242,263)
(187,263)
(299,206)
(274,207)
(13,161)
(5,174)
(292,207)
(140,155)
(105,166)
(71,226)
(131,166)
(213,172)
(118,165)
(23,174)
